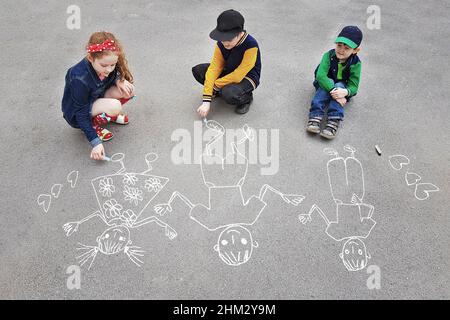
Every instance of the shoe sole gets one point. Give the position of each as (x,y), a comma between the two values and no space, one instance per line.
(313,130)
(327,136)
(104,140)
(241,112)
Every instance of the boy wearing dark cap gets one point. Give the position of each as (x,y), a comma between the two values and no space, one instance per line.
(235,68)
(336,81)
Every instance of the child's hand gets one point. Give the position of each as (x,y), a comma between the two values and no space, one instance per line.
(126,88)
(203,110)
(338,93)
(341,101)
(98,152)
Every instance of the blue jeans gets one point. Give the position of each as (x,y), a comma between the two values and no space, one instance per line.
(319,103)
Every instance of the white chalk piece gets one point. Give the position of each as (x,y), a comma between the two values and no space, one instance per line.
(105,158)
(377,148)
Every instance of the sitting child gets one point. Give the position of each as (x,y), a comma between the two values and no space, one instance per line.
(336,80)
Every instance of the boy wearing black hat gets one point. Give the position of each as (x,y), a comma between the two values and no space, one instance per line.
(336,81)
(235,68)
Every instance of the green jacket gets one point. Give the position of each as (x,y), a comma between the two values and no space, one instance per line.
(326,73)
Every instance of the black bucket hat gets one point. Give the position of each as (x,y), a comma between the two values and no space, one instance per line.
(229,24)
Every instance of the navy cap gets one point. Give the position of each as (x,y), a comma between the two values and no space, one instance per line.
(351,36)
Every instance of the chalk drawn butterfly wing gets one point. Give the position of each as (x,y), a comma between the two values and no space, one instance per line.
(128,190)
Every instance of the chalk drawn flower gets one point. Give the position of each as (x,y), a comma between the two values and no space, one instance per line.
(112,208)
(134,195)
(130,179)
(129,217)
(106,187)
(153,184)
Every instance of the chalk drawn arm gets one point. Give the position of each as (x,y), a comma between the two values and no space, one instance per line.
(305,218)
(71,227)
(163,208)
(168,230)
(293,199)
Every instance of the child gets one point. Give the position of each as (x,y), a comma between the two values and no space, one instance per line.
(235,68)
(93,89)
(336,80)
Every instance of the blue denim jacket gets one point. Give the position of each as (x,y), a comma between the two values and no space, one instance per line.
(83,87)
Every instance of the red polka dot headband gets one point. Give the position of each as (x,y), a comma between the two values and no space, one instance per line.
(108,44)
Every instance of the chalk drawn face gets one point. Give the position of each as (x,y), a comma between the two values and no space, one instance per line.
(114,240)
(354,255)
(235,245)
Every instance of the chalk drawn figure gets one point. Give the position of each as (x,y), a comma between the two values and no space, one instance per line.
(227,209)
(353,222)
(121,198)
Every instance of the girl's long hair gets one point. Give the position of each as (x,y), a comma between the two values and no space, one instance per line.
(122,63)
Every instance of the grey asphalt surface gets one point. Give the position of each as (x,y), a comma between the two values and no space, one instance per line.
(402,106)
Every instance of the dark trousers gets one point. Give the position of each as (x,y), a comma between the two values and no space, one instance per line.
(234,93)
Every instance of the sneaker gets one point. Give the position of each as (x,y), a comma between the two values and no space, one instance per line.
(103,134)
(243,108)
(313,125)
(330,130)
(120,118)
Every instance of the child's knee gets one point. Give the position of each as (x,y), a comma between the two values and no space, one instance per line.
(115,107)
(340,85)
(231,94)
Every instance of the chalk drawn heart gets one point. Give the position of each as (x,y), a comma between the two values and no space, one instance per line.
(423,190)
(72,178)
(412,178)
(44,200)
(56,189)
(398,161)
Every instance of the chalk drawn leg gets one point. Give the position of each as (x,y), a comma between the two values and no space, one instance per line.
(293,199)
(305,218)
(346,178)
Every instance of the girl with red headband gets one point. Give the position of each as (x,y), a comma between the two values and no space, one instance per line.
(95,90)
